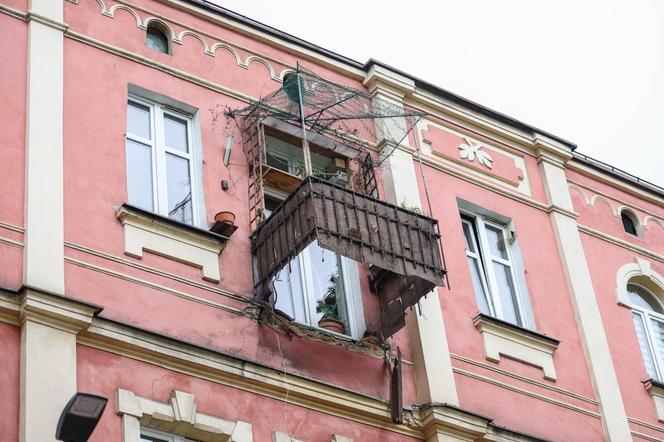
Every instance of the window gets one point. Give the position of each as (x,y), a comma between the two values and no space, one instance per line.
(149,435)
(496,275)
(155,38)
(648,316)
(628,222)
(162,168)
(317,284)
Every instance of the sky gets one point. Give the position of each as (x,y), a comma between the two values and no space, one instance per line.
(591,72)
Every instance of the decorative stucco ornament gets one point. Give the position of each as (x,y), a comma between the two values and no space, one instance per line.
(470,150)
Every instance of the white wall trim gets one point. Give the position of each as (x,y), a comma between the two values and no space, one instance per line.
(640,267)
(145,233)
(583,298)
(179,416)
(520,345)
(656,390)
(43,263)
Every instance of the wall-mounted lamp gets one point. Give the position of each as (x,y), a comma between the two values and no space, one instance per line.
(229,146)
(80,417)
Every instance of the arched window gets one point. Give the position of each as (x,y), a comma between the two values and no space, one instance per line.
(157,38)
(629,222)
(648,316)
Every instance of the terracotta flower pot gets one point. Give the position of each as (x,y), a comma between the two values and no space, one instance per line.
(332,325)
(225,217)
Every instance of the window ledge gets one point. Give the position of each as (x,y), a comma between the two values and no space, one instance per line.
(656,390)
(503,338)
(144,230)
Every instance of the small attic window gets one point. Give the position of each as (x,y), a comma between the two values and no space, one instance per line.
(156,38)
(628,221)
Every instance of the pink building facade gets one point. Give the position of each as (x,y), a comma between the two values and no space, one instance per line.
(118,150)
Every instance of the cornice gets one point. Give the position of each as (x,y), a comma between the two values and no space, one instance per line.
(382,81)
(619,242)
(55,310)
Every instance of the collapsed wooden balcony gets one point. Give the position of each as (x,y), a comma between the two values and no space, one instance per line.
(401,246)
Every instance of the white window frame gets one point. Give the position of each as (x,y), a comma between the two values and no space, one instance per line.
(159,150)
(167,437)
(351,283)
(348,270)
(485,259)
(646,319)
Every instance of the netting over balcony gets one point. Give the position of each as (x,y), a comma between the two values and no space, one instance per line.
(351,116)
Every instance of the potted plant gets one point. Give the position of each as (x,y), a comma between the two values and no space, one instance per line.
(327,305)
(225,217)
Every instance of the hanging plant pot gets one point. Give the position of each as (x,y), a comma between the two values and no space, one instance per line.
(332,325)
(225,217)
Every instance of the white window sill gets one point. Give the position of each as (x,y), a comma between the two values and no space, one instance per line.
(147,231)
(514,342)
(656,390)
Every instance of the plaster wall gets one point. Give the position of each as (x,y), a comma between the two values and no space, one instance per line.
(13,91)
(552,310)
(103,373)
(10,336)
(132,290)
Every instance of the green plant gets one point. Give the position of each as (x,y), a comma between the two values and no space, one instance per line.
(327,305)
(413,209)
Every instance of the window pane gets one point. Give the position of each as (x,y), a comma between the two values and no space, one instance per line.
(145,438)
(289,294)
(643,298)
(477,286)
(496,238)
(643,343)
(175,133)
(327,284)
(179,189)
(469,238)
(139,175)
(138,120)
(658,337)
(155,39)
(506,293)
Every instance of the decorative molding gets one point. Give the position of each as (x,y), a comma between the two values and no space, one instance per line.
(11,242)
(178,38)
(646,424)
(640,267)
(136,265)
(464,150)
(512,341)
(527,380)
(180,416)
(284,437)
(527,393)
(152,285)
(619,242)
(155,234)
(615,206)
(656,390)
(278,436)
(471,150)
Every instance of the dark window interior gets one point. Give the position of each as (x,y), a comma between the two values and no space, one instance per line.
(628,223)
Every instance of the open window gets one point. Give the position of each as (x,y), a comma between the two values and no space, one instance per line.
(318,287)
(496,270)
(315,220)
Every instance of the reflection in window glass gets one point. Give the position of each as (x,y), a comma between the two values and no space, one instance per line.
(138,120)
(139,175)
(179,189)
(175,133)
(492,270)
(496,241)
(507,293)
(643,343)
(156,39)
